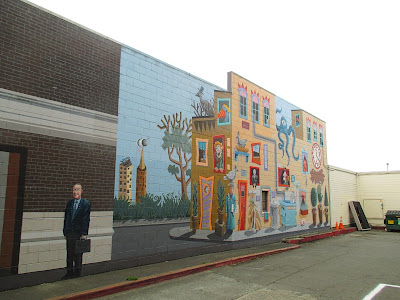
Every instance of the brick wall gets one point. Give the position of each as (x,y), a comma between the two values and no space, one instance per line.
(48,57)
(55,164)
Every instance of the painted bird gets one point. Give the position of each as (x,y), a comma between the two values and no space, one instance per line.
(231,175)
(223,113)
(207,106)
(241,142)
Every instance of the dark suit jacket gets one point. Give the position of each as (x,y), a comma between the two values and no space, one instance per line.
(80,223)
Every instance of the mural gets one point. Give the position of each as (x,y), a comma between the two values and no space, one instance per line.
(206,197)
(269,199)
(255,151)
(283,145)
(234,169)
(219,154)
(177,138)
(224,111)
(317,176)
(284,177)
(255,176)
(155,137)
(304,160)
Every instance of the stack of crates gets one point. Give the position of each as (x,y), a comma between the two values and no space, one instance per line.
(392,220)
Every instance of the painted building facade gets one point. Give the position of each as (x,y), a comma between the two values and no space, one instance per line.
(273,155)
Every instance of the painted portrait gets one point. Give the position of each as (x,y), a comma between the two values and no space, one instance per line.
(219,153)
(254,176)
(284,177)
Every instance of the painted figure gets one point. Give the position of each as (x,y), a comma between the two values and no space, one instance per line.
(283,129)
(219,156)
(305,164)
(254,178)
(76,226)
(284,177)
(230,209)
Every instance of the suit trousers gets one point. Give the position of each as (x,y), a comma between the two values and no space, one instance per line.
(74,260)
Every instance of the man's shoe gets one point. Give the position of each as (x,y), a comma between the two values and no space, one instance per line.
(67,276)
(77,273)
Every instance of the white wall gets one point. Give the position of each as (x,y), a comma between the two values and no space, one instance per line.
(343,188)
(379,186)
(376,187)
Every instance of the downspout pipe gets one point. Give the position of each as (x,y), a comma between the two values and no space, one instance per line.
(267,139)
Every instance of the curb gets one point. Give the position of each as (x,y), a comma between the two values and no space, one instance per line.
(378,227)
(124,286)
(312,238)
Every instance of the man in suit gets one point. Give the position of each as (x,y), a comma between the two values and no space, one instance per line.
(76,226)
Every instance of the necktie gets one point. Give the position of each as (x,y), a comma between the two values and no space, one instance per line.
(75,208)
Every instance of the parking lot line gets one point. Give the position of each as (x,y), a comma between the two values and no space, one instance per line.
(378,289)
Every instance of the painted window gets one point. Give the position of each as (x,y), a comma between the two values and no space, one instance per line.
(297,120)
(315,131)
(202,158)
(321,136)
(308,125)
(224,111)
(304,159)
(266,112)
(242,101)
(265,201)
(255,107)
(255,151)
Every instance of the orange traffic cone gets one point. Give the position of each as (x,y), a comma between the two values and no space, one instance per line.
(337,226)
(341,223)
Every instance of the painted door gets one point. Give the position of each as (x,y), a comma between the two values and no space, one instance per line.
(10,211)
(373,209)
(242,204)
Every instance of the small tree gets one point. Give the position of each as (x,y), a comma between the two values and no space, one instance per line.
(320,197)
(314,197)
(177,141)
(326,203)
(221,195)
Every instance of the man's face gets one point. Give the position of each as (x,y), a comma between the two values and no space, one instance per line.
(77,191)
(218,150)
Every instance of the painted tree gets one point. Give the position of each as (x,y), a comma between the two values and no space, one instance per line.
(177,141)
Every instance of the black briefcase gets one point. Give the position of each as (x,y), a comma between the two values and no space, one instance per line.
(82,246)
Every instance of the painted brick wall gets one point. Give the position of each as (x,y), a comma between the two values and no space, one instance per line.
(150,89)
(55,164)
(48,57)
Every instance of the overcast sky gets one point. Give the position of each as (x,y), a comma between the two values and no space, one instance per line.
(338,60)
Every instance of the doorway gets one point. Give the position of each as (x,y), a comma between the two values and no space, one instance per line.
(12,170)
(373,209)
(242,204)
(265,202)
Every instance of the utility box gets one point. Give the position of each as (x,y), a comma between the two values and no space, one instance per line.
(392,220)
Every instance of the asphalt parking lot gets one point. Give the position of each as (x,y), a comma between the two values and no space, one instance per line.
(359,265)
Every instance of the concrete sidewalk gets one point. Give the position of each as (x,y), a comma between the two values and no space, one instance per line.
(116,281)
